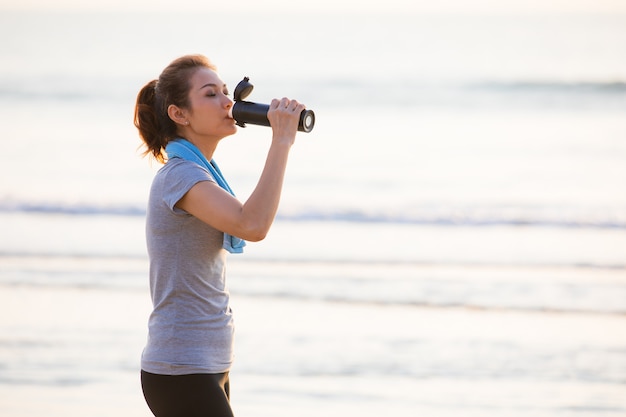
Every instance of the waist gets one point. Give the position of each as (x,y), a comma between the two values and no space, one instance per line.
(184,349)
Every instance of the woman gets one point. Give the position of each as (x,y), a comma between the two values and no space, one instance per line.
(192,221)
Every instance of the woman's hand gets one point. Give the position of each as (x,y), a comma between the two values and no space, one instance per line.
(284,116)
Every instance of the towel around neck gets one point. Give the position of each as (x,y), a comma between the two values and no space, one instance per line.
(183,149)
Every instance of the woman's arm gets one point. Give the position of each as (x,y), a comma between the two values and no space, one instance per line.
(251,220)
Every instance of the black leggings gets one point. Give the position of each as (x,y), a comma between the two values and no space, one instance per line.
(196,395)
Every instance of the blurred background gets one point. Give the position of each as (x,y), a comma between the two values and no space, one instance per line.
(452,235)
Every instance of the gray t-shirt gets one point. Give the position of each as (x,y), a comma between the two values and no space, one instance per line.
(191,327)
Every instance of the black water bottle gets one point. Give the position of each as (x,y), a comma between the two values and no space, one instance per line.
(254,113)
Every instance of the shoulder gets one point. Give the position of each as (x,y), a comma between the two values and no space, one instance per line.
(176,178)
(177,169)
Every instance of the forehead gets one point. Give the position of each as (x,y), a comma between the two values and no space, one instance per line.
(205,76)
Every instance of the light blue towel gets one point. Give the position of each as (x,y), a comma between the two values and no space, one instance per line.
(183,149)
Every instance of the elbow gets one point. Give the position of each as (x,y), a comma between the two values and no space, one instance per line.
(254,227)
(254,233)
(256,237)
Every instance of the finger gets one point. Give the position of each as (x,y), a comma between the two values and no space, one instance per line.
(293,105)
(275,103)
(299,108)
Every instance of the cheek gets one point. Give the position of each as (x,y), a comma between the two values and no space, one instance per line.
(204,113)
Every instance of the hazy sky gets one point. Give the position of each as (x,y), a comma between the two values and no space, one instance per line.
(329,6)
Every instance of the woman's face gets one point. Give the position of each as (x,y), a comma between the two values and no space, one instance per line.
(210,105)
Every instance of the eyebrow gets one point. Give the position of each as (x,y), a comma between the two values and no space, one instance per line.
(210,85)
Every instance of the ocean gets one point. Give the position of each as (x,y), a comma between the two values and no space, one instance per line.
(452,234)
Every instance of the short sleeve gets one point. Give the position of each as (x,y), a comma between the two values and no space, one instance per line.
(179,178)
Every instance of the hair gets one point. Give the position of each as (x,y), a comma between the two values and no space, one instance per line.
(155,127)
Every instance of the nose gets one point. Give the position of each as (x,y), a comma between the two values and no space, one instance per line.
(228,102)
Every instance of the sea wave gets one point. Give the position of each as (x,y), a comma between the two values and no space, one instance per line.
(77,209)
(62,89)
(476,306)
(407,92)
(468,216)
(500,94)
(501,288)
(569,87)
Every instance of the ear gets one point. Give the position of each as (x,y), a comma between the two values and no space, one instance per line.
(177,115)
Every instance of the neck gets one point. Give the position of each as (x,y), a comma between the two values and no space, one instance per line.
(207,146)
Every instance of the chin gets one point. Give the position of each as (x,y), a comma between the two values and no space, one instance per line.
(231,131)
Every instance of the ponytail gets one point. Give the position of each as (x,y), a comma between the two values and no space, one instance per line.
(147,121)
